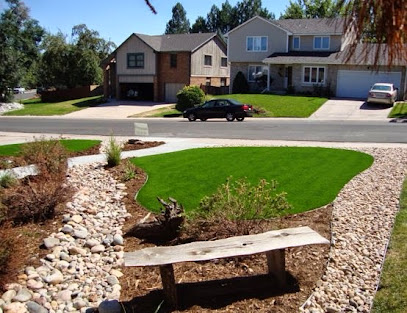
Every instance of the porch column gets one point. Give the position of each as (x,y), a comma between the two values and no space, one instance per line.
(268,76)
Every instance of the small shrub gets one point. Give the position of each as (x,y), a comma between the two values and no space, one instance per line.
(240,84)
(7,180)
(240,200)
(129,171)
(50,156)
(113,153)
(188,97)
(35,201)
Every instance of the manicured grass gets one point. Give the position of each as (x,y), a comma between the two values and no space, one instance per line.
(37,108)
(161,112)
(392,295)
(399,110)
(72,145)
(312,177)
(279,106)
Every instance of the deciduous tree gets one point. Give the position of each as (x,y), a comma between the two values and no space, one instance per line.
(20,36)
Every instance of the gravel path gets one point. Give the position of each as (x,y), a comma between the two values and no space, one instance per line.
(85,256)
(363,217)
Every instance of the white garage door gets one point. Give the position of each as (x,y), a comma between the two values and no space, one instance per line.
(356,84)
(171,90)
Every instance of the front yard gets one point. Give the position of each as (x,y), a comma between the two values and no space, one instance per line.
(35,107)
(266,105)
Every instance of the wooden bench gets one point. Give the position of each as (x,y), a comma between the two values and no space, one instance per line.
(273,243)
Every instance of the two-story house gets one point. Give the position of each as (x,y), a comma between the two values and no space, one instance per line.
(155,68)
(301,54)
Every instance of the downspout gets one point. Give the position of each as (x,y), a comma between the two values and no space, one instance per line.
(268,77)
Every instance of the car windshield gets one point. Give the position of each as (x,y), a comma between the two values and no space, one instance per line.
(381,88)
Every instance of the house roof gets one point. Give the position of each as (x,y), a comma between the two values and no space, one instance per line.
(176,42)
(364,54)
(259,18)
(316,26)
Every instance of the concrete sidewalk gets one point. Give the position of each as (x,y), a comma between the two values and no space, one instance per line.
(116,109)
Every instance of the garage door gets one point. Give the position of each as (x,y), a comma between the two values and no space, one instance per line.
(356,84)
(171,90)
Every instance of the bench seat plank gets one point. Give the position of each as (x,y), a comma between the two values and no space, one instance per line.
(223,248)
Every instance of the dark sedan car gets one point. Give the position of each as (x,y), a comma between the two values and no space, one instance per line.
(219,108)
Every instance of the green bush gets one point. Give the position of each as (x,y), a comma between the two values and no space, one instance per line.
(240,200)
(240,84)
(188,97)
(7,180)
(113,153)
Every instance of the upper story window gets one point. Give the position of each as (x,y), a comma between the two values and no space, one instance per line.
(224,62)
(135,60)
(321,42)
(208,60)
(296,43)
(256,43)
(173,60)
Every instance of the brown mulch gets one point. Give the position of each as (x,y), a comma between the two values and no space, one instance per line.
(225,285)
(23,241)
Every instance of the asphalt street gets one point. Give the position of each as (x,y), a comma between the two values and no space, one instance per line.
(253,129)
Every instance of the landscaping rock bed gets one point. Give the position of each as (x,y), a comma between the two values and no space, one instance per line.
(82,262)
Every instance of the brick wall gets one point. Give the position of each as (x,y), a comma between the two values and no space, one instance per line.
(167,74)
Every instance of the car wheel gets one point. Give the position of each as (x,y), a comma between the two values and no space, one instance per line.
(230,117)
(203,119)
(191,117)
(239,119)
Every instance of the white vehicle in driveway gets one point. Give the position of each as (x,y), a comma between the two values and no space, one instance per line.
(382,93)
(18,90)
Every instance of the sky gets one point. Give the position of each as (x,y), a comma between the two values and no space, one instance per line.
(117,20)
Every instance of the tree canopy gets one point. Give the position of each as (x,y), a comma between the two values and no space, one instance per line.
(76,63)
(178,24)
(20,36)
(311,9)
(226,17)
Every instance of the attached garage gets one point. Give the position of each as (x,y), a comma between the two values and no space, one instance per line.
(356,84)
(171,90)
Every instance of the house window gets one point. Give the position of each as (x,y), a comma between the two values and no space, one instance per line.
(321,43)
(314,75)
(208,60)
(296,43)
(173,60)
(223,81)
(208,81)
(256,71)
(256,43)
(224,62)
(135,60)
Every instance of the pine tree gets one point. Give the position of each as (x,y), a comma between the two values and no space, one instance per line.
(178,24)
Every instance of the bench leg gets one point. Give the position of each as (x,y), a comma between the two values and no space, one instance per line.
(169,288)
(276,265)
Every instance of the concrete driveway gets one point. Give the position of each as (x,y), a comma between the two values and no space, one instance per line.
(343,109)
(116,109)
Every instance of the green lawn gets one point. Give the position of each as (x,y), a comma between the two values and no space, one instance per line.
(72,145)
(312,177)
(399,110)
(37,108)
(392,295)
(279,106)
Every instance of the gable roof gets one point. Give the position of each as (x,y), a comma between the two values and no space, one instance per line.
(177,42)
(261,19)
(329,26)
(310,26)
